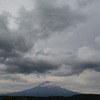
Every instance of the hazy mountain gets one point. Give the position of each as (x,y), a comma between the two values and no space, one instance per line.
(44,89)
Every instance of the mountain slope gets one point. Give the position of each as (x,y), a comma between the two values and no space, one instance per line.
(44,89)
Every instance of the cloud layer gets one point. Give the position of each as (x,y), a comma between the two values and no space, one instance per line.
(47,18)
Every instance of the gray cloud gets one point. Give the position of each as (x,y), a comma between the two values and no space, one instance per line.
(76,69)
(41,22)
(27,66)
(71,63)
(46,19)
(84,3)
(13,78)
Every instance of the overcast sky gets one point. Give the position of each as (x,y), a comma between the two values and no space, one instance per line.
(54,40)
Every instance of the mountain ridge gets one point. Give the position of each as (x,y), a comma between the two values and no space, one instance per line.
(44,89)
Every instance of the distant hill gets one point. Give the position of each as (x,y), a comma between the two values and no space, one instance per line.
(44,90)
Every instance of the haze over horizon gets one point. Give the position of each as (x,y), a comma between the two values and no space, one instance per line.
(50,40)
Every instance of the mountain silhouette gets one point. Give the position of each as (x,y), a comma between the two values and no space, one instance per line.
(45,89)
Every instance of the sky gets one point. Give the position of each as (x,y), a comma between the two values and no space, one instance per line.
(50,40)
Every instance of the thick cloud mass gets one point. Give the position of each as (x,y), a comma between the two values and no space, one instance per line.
(28,66)
(71,63)
(47,18)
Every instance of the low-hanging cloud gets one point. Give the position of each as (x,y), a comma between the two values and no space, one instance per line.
(71,63)
(13,78)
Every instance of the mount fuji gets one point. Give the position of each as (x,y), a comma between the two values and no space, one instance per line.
(44,90)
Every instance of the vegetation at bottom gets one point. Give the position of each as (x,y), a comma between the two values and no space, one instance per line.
(75,97)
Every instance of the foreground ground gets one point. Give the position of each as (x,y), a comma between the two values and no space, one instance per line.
(75,97)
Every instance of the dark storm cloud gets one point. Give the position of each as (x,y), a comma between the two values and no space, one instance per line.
(27,66)
(57,17)
(11,41)
(45,19)
(48,17)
